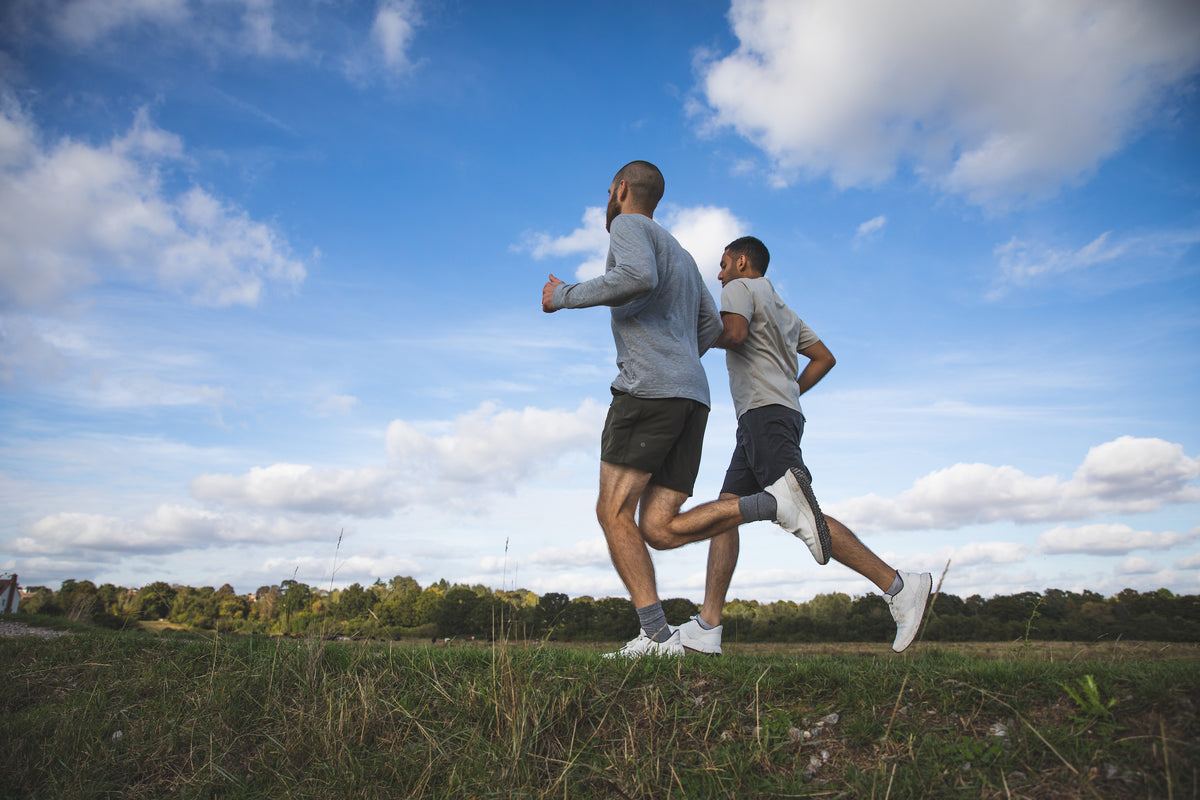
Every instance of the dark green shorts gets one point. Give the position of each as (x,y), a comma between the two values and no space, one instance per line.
(662,437)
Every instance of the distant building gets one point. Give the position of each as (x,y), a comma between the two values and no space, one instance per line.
(10,594)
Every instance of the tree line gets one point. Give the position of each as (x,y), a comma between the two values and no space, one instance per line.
(402,608)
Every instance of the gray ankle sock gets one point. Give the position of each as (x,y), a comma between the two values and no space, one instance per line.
(654,622)
(704,626)
(755,507)
(897,585)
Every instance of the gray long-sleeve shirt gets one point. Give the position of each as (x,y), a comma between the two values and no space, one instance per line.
(663,317)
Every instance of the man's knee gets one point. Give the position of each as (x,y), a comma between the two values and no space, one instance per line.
(658,535)
(607,515)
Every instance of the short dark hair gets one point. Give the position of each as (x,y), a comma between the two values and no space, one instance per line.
(645,181)
(755,252)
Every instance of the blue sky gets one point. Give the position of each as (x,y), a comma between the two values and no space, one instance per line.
(270,279)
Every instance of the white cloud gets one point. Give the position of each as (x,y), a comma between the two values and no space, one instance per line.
(490,446)
(1189,562)
(590,240)
(870,230)
(1021,262)
(1136,565)
(1106,539)
(1125,475)
(974,553)
(393,31)
(1143,257)
(338,404)
(702,230)
(169,528)
(241,27)
(73,214)
(992,100)
(323,573)
(587,553)
(298,487)
(487,449)
(84,22)
(1138,474)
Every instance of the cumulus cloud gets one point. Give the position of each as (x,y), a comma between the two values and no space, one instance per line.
(298,487)
(73,214)
(492,446)
(1125,475)
(1106,539)
(590,240)
(976,553)
(169,528)
(1135,565)
(588,553)
(702,230)
(991,100)
(488,449)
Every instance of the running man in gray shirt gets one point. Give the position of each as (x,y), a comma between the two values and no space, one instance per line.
(663,321)
(763,340)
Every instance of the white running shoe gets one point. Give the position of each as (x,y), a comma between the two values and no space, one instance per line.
(799,514)
(643,645)
(908,607)
(702,640)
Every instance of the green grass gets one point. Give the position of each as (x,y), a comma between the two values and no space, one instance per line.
(140,715)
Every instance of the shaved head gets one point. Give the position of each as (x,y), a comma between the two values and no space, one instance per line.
(646,184)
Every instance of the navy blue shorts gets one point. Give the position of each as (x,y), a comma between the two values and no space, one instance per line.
(768,444)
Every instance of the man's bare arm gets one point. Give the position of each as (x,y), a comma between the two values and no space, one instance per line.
(820,361)
(736,328)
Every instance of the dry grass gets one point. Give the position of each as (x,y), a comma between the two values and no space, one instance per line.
(135,715)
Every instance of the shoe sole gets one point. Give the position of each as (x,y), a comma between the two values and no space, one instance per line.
(713,653)
(927,583)
(823,540)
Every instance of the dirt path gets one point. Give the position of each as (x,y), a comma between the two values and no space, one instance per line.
(21,629)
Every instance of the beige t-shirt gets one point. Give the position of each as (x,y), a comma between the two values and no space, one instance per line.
(763,370)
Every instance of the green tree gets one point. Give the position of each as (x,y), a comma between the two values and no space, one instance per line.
(453,614)
(679,610)
(154,601)
(550,609)
(353,602)
(79,600)
(615,620)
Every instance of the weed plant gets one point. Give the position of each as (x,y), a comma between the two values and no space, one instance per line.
(104,714)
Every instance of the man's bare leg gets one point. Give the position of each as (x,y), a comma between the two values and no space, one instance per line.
(621,489)
(665,528)
(722,559)
(848,549)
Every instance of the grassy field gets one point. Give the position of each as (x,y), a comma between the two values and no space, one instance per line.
(154,715)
